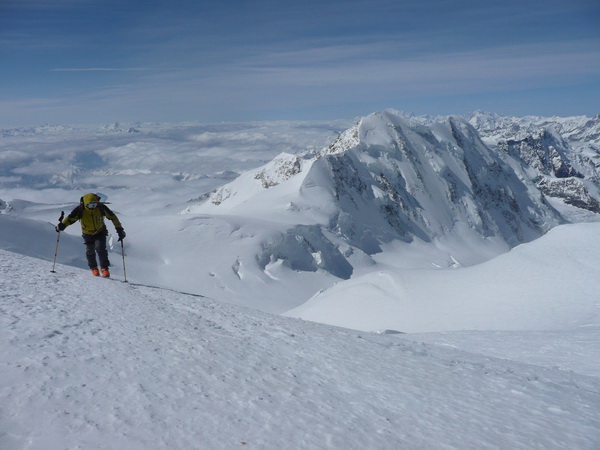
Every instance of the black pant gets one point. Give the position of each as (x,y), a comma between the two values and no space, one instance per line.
(96,244)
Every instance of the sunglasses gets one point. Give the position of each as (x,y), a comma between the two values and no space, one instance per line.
(91,205)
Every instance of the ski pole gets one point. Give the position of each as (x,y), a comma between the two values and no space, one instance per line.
(123,255)
(62,215)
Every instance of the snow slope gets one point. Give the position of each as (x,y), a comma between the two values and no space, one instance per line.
(94,363)
(556,273)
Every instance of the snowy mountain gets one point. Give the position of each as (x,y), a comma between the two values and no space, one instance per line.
(553,167)
(305,209)
(388,180)
(561,155)
(444,241)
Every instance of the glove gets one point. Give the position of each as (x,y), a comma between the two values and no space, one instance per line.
(61,226)
(121,234)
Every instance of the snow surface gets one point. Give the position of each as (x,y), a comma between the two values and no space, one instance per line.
(93,363)
(552,283)
(501,351)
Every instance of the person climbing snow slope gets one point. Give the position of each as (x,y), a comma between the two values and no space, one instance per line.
(91,213)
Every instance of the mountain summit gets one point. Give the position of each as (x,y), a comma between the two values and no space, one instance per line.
(392,179)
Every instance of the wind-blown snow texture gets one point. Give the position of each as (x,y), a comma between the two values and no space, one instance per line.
(93,363)
(477,235)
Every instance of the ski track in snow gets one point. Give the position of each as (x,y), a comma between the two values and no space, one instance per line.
(94,363)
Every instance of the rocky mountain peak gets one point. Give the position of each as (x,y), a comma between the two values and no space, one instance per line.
(389,179)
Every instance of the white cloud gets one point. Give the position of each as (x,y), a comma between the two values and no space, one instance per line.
(102,69)
(353,65)
(378,73)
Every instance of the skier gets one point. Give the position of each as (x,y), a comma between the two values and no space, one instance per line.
(91,213)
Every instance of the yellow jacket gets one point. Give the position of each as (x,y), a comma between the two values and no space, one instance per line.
(92,220)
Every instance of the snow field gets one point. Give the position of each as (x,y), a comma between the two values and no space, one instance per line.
(94,363)
(548,284)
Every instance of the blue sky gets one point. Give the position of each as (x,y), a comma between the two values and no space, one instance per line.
(96,61)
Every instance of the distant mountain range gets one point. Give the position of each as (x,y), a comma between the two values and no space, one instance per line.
(561,155)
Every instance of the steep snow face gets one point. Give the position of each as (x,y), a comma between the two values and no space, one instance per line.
(404,182)
(385,179)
